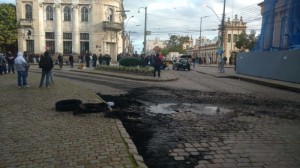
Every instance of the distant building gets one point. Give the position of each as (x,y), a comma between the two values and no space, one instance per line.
(209,48)
(70,26)
(151,44)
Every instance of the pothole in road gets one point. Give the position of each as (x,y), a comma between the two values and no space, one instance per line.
(206,109)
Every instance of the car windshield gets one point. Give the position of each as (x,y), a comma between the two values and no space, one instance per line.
(183,61)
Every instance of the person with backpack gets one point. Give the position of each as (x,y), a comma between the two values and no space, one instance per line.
(46,64)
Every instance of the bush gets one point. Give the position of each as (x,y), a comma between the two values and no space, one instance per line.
(124,69)
(130,61)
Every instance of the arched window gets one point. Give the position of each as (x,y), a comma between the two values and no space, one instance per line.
(67,14)
(49,13)
(110,13)
(84,14)
(28,12)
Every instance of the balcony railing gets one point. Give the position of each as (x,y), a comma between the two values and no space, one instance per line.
(26,23)
(114,26)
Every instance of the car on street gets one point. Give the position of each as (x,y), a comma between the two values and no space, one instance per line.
(182,63)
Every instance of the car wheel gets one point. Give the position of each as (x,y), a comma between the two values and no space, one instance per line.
(67,105)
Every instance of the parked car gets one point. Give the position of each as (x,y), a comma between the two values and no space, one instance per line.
(182,63)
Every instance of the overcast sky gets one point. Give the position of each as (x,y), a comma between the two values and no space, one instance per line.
(182,17)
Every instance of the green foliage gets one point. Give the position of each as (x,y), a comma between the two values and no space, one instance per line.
(125,69)
(130,61)
(8,25)
(245,41)
(164,51)
(175,44)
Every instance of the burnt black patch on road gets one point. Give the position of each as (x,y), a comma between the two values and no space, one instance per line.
(166,124)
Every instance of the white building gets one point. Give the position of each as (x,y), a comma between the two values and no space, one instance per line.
(71,26)
(151,44)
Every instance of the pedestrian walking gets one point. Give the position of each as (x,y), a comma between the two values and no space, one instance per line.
(3,69)
(71,60)
(10,61)
(100,59)
(21,64)
(157,62)
(87,59)
(26,57)
(94,60)
(46,64)
(60,61)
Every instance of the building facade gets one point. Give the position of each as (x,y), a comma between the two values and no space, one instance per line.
(71,26)
(280,25)
(209,48)
(151,44)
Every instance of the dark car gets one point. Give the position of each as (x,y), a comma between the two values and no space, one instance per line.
(182,63)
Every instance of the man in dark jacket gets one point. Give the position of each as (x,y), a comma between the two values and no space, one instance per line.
(157,62)
(11,62)
(46,64)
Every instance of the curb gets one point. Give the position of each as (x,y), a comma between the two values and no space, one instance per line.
(264,83)
(139,78)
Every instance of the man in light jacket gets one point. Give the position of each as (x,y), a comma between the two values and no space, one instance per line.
(20,64)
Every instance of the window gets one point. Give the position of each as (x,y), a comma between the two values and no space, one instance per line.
(30,46)
(67,14)
(84,46)
(84,14)
(49,35)
(84,36)
(67,43)
(110,14)
(49,13)
(28,12)
(84,42)
(67,47)
(229,38)
(51,46)
(50,43)
(67,36)
(235,38)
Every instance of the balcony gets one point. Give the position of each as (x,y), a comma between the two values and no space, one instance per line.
(113,26)
(25,23)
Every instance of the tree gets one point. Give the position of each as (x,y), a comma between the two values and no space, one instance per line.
(241,42)
(252,39)
(245,41)
(8,27)
(175,44)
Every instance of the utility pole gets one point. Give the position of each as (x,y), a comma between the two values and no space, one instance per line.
(200,32)
(223,29)
(145,29)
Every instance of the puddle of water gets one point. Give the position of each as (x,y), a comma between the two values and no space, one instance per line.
(169,108)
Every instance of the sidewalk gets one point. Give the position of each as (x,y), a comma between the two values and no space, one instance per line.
(34,134)
(230,73)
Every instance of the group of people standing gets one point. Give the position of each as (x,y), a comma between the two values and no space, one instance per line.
(20,64)
(92,59)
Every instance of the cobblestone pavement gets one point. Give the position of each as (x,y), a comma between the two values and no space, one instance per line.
(251,132)
(33,134)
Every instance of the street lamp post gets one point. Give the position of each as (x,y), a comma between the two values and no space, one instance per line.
(123,36)
(222,25)
(200,32)
(145,29)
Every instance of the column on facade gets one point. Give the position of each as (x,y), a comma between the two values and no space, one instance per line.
(75,34)
(40,41)
(58,29)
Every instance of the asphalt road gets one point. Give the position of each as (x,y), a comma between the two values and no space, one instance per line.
(258,126)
